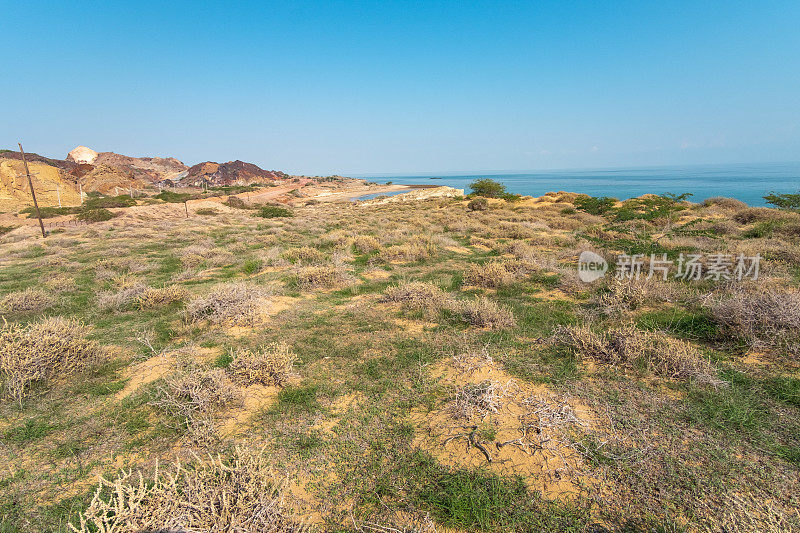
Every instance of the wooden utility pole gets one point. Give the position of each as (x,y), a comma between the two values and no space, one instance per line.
(33,194)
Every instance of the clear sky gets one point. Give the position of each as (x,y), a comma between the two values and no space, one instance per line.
(394,87)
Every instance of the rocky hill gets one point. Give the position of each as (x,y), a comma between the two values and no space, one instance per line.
(112,173)
(230,173)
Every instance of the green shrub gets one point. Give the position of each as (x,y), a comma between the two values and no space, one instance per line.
(478,204)
(95,215)
(488,188)
(272,211)
(206,211)
(122,200)
(595,205)
(50,212)
(784,200)
(175,197)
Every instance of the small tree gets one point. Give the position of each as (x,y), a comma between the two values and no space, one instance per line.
(488,188)
(784,200)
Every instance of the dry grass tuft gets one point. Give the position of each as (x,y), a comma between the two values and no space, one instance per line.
(482,312)
(155,297)
(766,319)
(366,244)
(41,351)
(30,300)
(271,365)
(490,275)
(629,294)
(305,255)
(321,276)
(211,494)
(416,249)
(231,303)
(724,202)
(416,295)
(656,351)
(194,397)
(126,295)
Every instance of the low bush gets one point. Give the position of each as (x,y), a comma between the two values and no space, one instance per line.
(206,211)
(124,297)
(30,300)
(193,397)
(304,254)
(95,215)
(416,295)
(41,351)
(366,244)
(727,203)
(175,197)
(763,319)
(491,275)
(594,205)
(321,276)
(155,297)
(105,202)
(273,211)
(270,365)
(629,346)
(478,204)
(213,494)
(233,303)
(50,212)
(482,312)
(237,203)
(755,214)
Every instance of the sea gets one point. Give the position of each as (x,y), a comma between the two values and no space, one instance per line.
(746,182)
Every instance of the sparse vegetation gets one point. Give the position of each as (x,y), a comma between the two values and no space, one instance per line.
(273,211)
(369,352)
(41,351)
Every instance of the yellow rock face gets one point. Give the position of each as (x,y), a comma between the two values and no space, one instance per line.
(48,182)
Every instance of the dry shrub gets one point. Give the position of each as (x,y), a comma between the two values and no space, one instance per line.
(304,254)
(271,365)
(492,275)
(482,312)
(416,295)
(366,244)
(629,294)
(756,214)
(194,397)
(154,297)
(210,494)
(627,345)
(61,283)
(764,319)
(478,399)
(41,351)
(29,300)
(232,303)
(416,249)
(726,203)
(125,296)
(321,276)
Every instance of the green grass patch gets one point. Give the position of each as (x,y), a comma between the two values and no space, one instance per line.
(697,325)
(32,429)
(272,211)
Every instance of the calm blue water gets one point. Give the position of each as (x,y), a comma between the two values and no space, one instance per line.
(747,183)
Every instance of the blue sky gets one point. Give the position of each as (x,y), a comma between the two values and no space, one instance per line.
(395,87)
